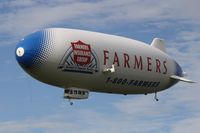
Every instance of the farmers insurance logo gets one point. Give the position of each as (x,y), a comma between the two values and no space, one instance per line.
(79,58)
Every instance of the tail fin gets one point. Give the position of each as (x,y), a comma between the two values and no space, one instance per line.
(182,79)
(159,44)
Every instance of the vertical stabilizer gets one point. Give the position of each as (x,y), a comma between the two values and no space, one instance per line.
(159,44)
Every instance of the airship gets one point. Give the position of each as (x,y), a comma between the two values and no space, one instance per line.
(83,61)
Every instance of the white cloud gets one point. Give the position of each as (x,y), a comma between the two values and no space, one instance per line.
(187,125)
(80,121)
(32,18)
(23,17)
(49,125)
(186,36)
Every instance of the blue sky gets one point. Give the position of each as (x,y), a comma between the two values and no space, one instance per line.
(27,105)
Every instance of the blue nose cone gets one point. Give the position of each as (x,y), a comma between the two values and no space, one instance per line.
(32,51)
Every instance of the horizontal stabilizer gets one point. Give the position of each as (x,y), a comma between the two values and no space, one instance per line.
(159,44)
(182,79)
